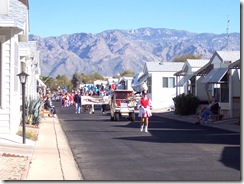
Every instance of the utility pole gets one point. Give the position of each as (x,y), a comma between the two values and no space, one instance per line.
(227,32)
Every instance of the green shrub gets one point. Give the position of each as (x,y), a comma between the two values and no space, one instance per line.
(186,104)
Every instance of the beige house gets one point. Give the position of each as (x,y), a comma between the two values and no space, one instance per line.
(222,82)
(186,79)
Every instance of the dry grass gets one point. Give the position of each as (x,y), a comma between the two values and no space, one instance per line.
(31,132)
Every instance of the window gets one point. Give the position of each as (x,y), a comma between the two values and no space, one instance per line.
(149,84)
(221,92)
(4,7)
(224,92)
(168,82)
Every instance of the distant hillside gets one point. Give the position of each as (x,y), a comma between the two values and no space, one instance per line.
(113,51)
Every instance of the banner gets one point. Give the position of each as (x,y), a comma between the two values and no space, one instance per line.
(85,100)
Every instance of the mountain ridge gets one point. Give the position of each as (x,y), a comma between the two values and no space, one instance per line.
(113,51)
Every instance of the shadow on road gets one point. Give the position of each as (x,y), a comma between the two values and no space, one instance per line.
(173,131)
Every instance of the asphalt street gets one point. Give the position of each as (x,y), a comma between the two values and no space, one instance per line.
(172,150)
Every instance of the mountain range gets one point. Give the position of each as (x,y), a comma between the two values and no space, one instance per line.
(114,51)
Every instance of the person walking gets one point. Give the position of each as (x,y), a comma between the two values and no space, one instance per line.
(145,107)
(77,100)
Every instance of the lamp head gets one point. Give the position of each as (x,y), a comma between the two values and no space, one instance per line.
(22,77)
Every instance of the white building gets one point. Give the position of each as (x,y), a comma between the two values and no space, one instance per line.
(29,58)
(161,82)
(17,54)
(124,83)
(13,29)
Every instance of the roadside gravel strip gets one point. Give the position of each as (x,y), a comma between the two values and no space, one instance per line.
(13,167)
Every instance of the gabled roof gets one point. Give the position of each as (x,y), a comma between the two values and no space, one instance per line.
(197,63)
(193,63)
(224,56)
(164,66)
(227,56)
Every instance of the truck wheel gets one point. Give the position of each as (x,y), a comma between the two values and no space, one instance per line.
(132,117)
(116,116)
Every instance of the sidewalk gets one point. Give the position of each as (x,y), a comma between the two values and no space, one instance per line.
(51,157)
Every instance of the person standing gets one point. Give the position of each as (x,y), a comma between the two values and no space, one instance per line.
(77,100)
(145,107)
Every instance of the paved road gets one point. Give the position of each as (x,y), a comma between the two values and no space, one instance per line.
(171,151)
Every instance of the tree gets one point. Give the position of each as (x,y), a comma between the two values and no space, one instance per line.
(76,80)
(94,76)
(64,81)
(184,57)
(46,80)
(127,73)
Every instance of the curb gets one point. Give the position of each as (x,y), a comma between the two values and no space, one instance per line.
(26,169)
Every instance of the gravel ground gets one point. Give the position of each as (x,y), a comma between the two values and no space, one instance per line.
(13,167)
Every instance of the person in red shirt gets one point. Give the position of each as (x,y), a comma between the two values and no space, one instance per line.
(145,110)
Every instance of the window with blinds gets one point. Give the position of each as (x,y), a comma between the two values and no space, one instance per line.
(168,82)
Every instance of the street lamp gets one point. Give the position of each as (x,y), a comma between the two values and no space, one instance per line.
(23,77)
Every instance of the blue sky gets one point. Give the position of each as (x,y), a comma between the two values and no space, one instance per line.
(58,17)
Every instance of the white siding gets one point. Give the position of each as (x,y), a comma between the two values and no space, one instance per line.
(201,93)
(5,109)
(162,97)
(236,86)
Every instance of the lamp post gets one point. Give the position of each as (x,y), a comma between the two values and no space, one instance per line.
(23,77)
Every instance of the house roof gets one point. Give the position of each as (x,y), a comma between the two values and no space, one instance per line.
(16,16)
(226,56)
(204,70)
(197,63)
(193,63)
(235,65)
(164,66)
(25,2)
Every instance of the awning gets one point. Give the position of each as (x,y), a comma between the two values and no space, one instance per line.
(180,73)
(40,83)
(204,70)
(138,81)
(183,80)
(215,75)
(142,78)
